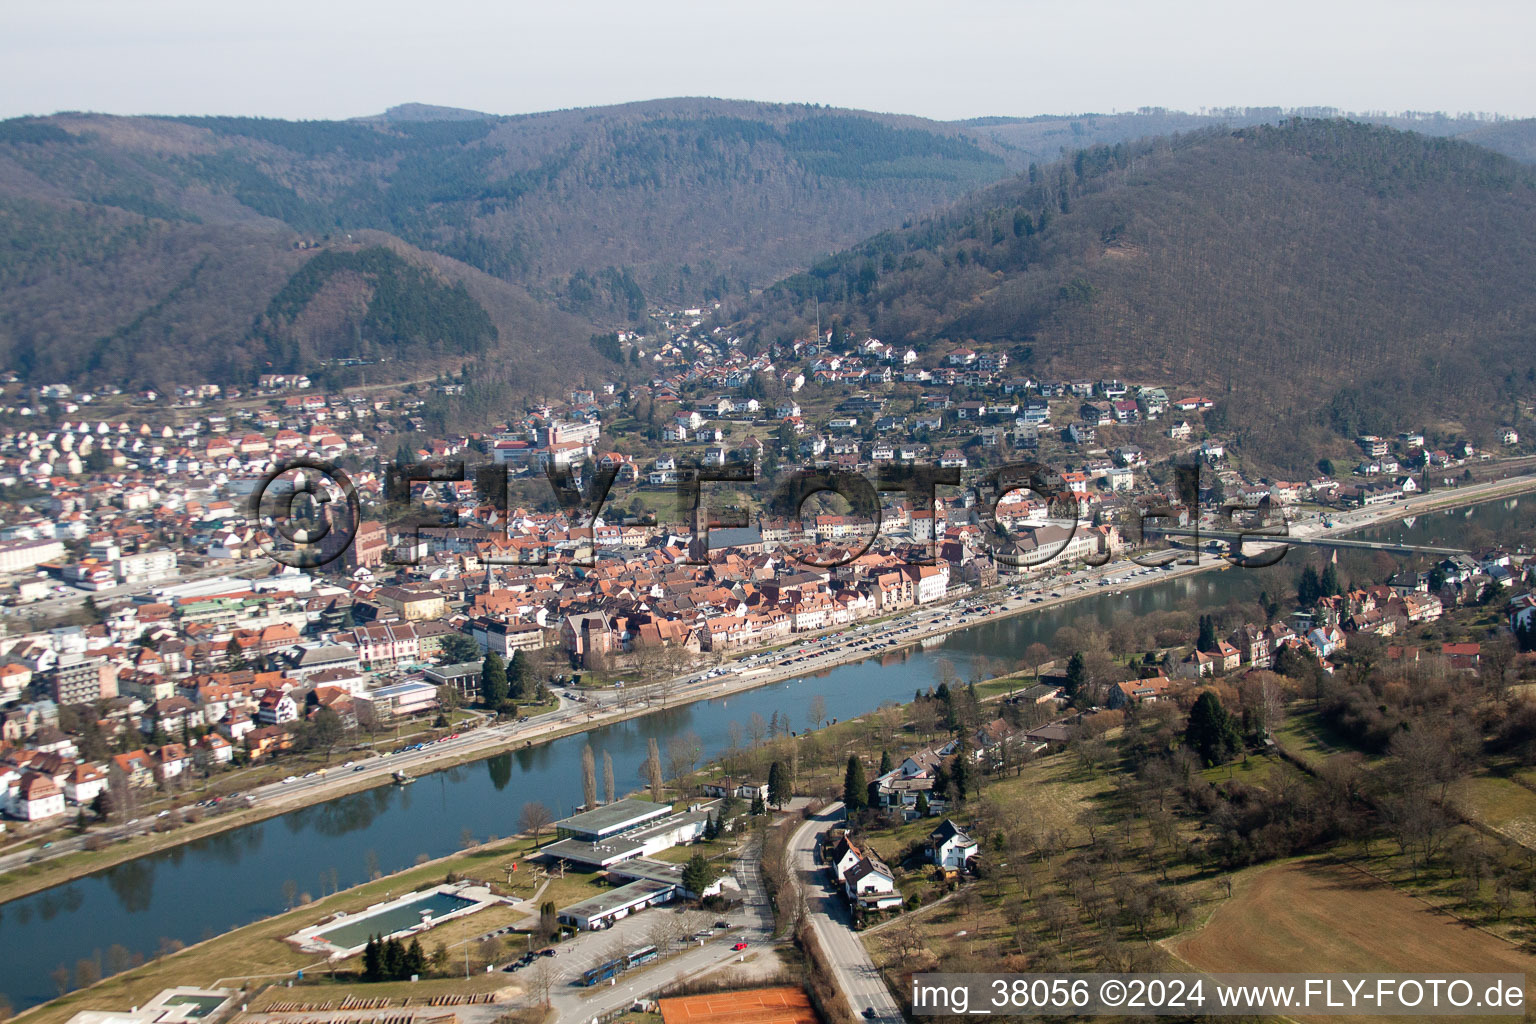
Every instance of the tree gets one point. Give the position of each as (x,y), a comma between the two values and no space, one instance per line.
(549,920)
(698,875)
(1207,639)
(325,731)
(588,777)
(922,805)
(234,656)
(1525,633)
(683,753)
(960,773)
(1329,585)
(855,788)
(458,648)
(777,790)
(758,807)
(652,769)
(534,819)
(1293,663)
(1211,733)
(493,680)
(607,777)
(372,960)
(1309,588)
(1077,674)
(393,960)
(885,761)
(87,971)
(1037,654)
(521,683)
(542,980)
(816,711)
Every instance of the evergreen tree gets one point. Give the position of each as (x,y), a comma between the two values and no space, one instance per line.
(1309,588)
(234,656)
(1077,673)
(885,761)
(697,875)
(393,960)
(777,788)
(493,680)
(1207,639)
(922,805)
(1525,633)
(520,681)
(372,963)
(960,774)
(415,959)
(1329,585)
(758,807)
(855,788)
(1212,734)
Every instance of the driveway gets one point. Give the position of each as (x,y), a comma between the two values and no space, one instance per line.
(855,972)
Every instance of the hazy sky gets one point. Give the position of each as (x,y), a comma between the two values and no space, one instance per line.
(343,58)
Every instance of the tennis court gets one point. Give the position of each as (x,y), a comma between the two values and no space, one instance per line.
(781,1005)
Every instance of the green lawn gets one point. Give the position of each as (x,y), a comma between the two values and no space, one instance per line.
(1503,805)
(1305,737)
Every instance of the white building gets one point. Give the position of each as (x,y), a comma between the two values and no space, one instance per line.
(146,567)
(949,847)
(36,797)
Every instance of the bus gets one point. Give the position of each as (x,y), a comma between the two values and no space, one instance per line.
(643,955)
(602,972)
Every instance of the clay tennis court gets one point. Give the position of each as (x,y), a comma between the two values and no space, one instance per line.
(783,1005)
(1319,916)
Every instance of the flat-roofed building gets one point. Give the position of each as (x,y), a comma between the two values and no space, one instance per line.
(652,837)
(20,555)
(610,819)
(604,909)
(463,676)
(387,703)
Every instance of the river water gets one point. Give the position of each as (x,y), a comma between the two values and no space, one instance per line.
(213,885)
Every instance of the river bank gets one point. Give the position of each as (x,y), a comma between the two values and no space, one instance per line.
(903,631)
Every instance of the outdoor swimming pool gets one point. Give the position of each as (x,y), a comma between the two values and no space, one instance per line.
(357,930)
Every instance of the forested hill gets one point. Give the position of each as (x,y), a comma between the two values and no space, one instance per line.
(139,249)
(604,209)
(1318,278)
(1043,138)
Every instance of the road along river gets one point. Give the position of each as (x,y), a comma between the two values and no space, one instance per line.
(212,885)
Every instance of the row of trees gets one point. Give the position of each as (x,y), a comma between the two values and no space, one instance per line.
(393,960)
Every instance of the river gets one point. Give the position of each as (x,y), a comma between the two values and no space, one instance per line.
(212,885)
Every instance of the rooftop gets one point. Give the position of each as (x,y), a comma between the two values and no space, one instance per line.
(616,899)
(614,817)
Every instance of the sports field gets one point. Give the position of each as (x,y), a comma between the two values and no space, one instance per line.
(780,1005)
(1318,916)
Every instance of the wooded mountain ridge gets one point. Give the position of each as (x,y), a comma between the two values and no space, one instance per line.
(148,249)
(145,246)
(1316,279)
